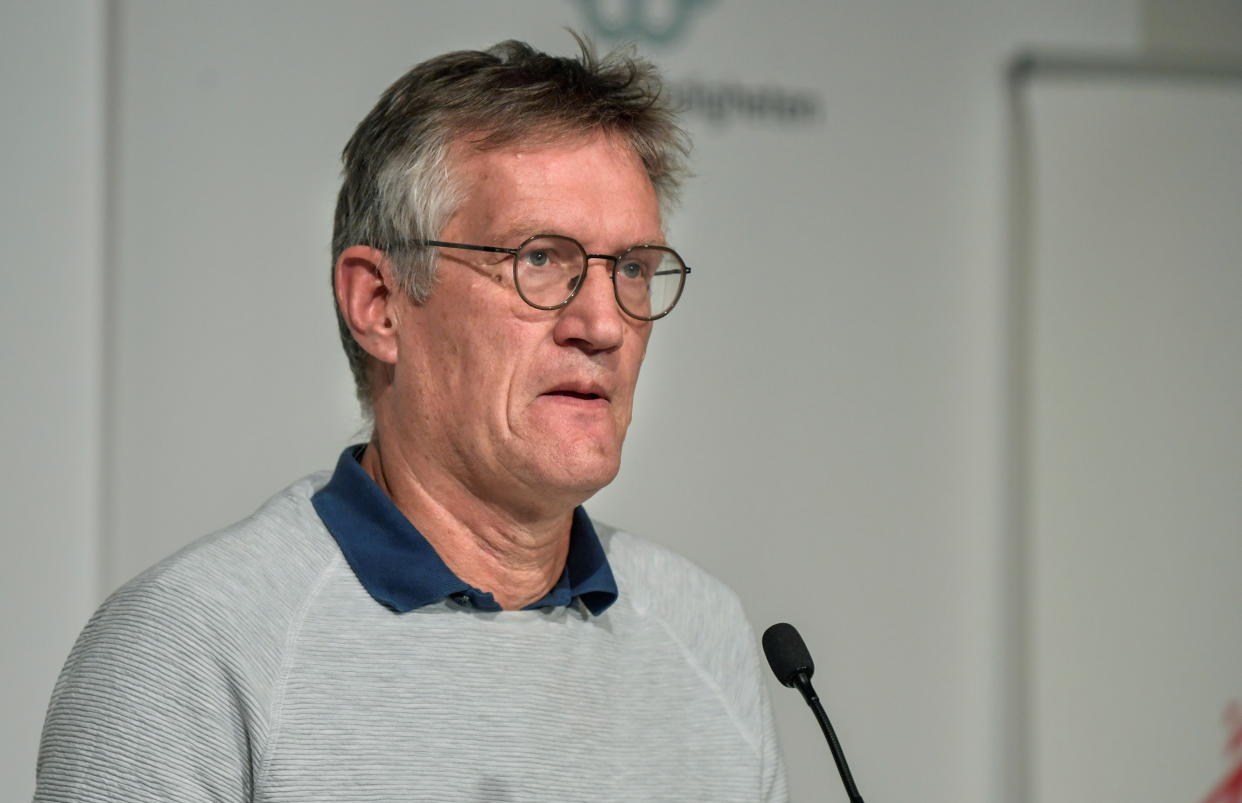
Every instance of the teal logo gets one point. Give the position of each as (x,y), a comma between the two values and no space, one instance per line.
(637,22)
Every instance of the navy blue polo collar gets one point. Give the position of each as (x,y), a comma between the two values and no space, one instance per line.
(398,567)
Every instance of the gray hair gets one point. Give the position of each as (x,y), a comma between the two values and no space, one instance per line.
(398,184)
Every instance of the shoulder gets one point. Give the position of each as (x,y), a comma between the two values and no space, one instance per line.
(189,653)
(221,602)
(255,570)
(659,581)
(698,613)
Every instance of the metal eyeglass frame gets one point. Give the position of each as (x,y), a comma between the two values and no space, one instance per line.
(586,264)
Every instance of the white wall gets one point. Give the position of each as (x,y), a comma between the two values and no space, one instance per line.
(821,422)
(51,68)
(1135,481)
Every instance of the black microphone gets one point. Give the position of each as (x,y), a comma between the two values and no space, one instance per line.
(791,663)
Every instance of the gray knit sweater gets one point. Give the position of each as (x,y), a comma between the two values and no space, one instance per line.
(253,666)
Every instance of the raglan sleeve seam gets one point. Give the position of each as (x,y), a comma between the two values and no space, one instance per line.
(710,681)
(275,708)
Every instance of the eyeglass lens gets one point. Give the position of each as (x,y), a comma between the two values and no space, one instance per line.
(647,279)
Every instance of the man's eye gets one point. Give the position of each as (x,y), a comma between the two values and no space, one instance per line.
(537,259)
(631,270)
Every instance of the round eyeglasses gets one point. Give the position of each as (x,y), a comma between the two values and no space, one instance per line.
(548,270)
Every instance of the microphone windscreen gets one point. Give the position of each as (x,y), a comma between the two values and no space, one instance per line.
(787,653)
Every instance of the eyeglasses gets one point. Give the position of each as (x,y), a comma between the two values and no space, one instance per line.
(548,271)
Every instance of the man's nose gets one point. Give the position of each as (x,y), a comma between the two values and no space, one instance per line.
(592,321)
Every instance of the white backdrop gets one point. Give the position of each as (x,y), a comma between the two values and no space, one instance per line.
(51,225)
(1135,458)
(820,423)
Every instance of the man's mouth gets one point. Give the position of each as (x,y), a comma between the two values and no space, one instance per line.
(582,391)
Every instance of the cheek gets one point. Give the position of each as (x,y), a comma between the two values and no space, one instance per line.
(502,372)
(635,362)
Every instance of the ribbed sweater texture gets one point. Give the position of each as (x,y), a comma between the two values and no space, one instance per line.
(253,666)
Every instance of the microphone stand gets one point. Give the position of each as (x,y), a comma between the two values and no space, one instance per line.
(803,681)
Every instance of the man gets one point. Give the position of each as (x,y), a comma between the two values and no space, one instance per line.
(439,619)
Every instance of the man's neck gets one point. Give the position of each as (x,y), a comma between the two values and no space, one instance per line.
(517,560)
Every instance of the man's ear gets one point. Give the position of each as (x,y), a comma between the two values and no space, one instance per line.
(367,295)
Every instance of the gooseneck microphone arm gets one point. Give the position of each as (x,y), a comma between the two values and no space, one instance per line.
(791,663)
(838,755)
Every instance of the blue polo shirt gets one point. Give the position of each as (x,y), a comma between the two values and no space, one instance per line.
(399,568)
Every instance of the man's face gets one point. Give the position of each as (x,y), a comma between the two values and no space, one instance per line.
(528,408)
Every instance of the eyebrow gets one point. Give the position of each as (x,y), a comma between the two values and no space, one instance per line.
(513,235)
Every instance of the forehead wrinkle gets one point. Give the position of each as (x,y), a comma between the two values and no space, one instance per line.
(560,217)
(523,228)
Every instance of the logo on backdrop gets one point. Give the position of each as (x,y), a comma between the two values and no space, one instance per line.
(663,24)
(1229,790)
(639,22)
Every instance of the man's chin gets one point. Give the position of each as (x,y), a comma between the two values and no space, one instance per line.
(577,470)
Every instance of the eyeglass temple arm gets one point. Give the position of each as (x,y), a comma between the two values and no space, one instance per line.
(491,249)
